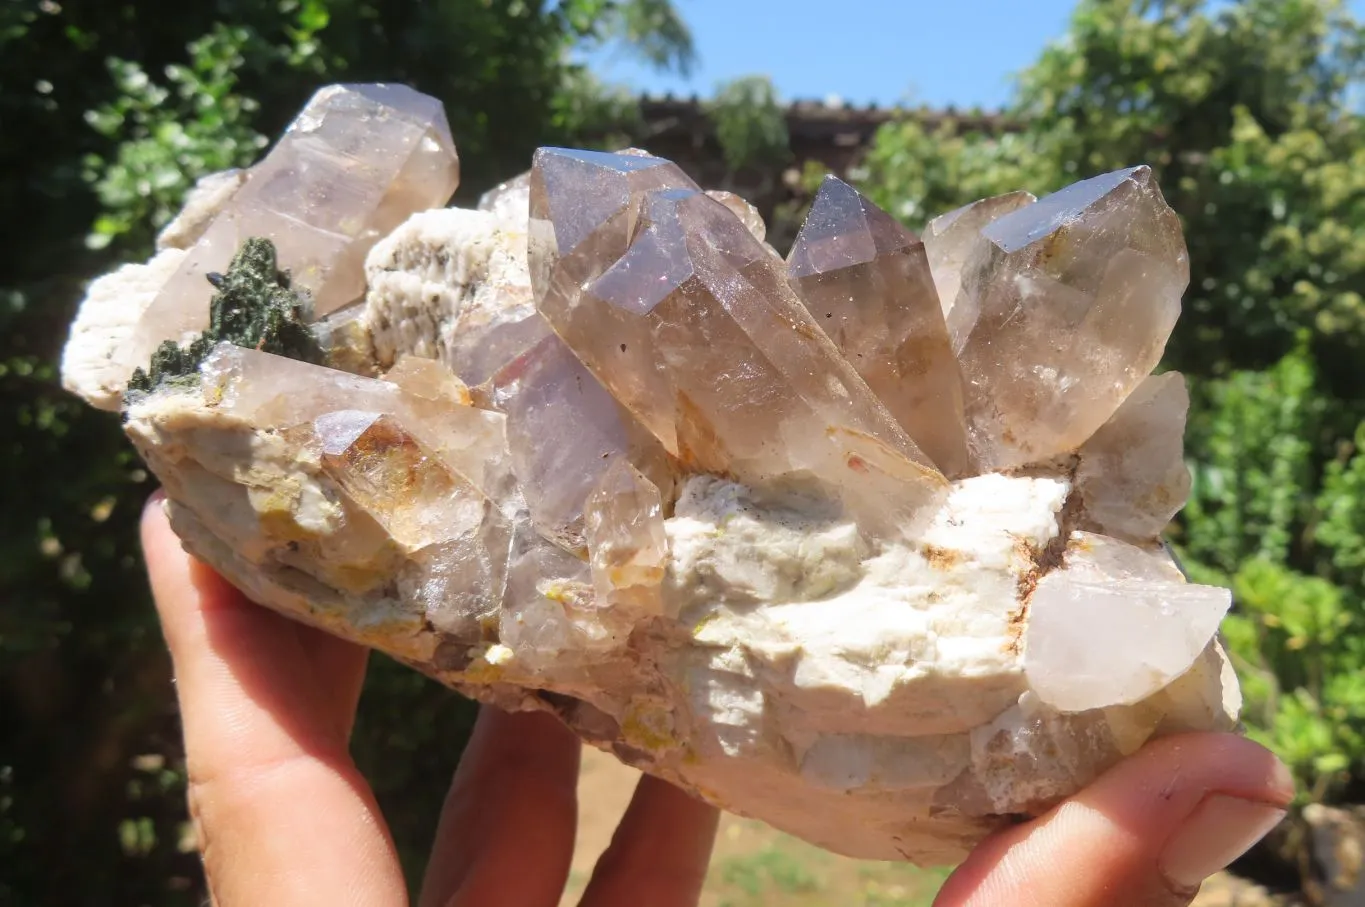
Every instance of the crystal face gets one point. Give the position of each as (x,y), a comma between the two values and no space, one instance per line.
(949,238)
(866,281)
(1065,305)
(1132,474)
(355,163)
(581,209)
(565,432)
(625,522)
(1077,655)
(864,542)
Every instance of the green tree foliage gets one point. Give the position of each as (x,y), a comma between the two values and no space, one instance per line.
(750,123)
(1246,112)
(108,112)
(650,29)
(1268,517)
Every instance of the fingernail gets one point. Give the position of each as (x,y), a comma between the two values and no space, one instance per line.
(1220,830)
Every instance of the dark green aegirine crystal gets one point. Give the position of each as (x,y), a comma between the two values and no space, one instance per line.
(255,307)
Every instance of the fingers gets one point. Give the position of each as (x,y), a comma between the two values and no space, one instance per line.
(281,813)
(507,828)
(659,853)
(1144,835)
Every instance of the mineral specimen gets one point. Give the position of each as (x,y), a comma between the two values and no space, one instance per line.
(864,543)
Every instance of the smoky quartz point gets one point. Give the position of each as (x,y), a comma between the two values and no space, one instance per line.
(866,280)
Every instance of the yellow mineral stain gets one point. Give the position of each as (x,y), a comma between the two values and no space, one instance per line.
(646,729)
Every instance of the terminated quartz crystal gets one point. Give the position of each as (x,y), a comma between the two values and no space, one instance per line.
(409,457)
(1065,306)
(582,210)
(275,392)
(626,536)
(358,160)
(386,471)
(866,281)
(549,612)
(949,238)
(1132,476)
(1083,617)
(566,432)
(780,532)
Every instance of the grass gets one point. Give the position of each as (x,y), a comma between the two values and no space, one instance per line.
(771,869)
(755,866)
(752,865)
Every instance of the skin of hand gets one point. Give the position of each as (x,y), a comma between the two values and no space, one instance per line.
(283,817)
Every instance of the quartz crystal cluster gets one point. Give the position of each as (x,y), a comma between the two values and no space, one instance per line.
(864,542)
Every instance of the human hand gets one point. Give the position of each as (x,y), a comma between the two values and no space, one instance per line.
(283,817)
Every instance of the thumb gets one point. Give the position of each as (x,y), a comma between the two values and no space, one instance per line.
(1145,834)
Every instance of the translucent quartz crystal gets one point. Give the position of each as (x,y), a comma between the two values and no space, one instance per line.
(384,469)
(346,340)
(748,215)
(549,591)
(950,238)
(565,432)
(428,379)
(695,329)
(625,530)
(355,163)
(458,537)
(1114,624)
(410,452)
(640,479)
(1065,306)
(275,392)
(583,206)
(509,201)
(470,440)
(1132,475)
(491,345)
(866,281)
(461,580)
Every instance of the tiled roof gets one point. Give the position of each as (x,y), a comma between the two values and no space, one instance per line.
(835,121)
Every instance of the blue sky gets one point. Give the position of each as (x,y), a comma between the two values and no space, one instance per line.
(936,52)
